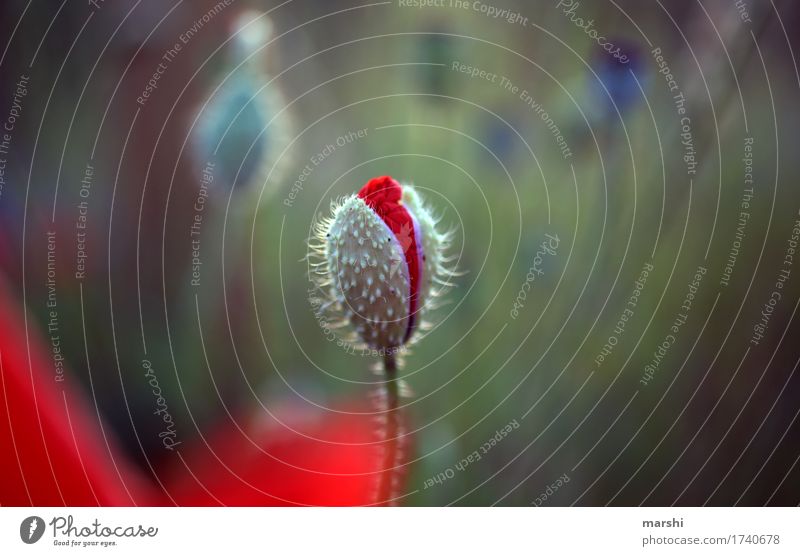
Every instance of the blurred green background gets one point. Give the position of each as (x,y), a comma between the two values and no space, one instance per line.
(247,337)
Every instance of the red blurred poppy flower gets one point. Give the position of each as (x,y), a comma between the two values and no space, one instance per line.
(326,460)
(54,449)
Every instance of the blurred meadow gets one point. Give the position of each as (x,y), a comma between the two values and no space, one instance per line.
(556,139)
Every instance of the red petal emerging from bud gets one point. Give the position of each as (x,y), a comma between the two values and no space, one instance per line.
(383,195)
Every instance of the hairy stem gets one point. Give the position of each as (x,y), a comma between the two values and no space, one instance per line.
(391,439)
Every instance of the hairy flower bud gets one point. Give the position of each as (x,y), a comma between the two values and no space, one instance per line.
(380,257)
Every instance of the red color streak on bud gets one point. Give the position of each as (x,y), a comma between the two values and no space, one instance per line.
(383,195)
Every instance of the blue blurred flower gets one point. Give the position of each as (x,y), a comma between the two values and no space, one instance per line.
(242,125)
(619,78)
(232,131)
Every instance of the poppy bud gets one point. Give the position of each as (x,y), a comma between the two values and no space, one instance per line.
(380,258)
